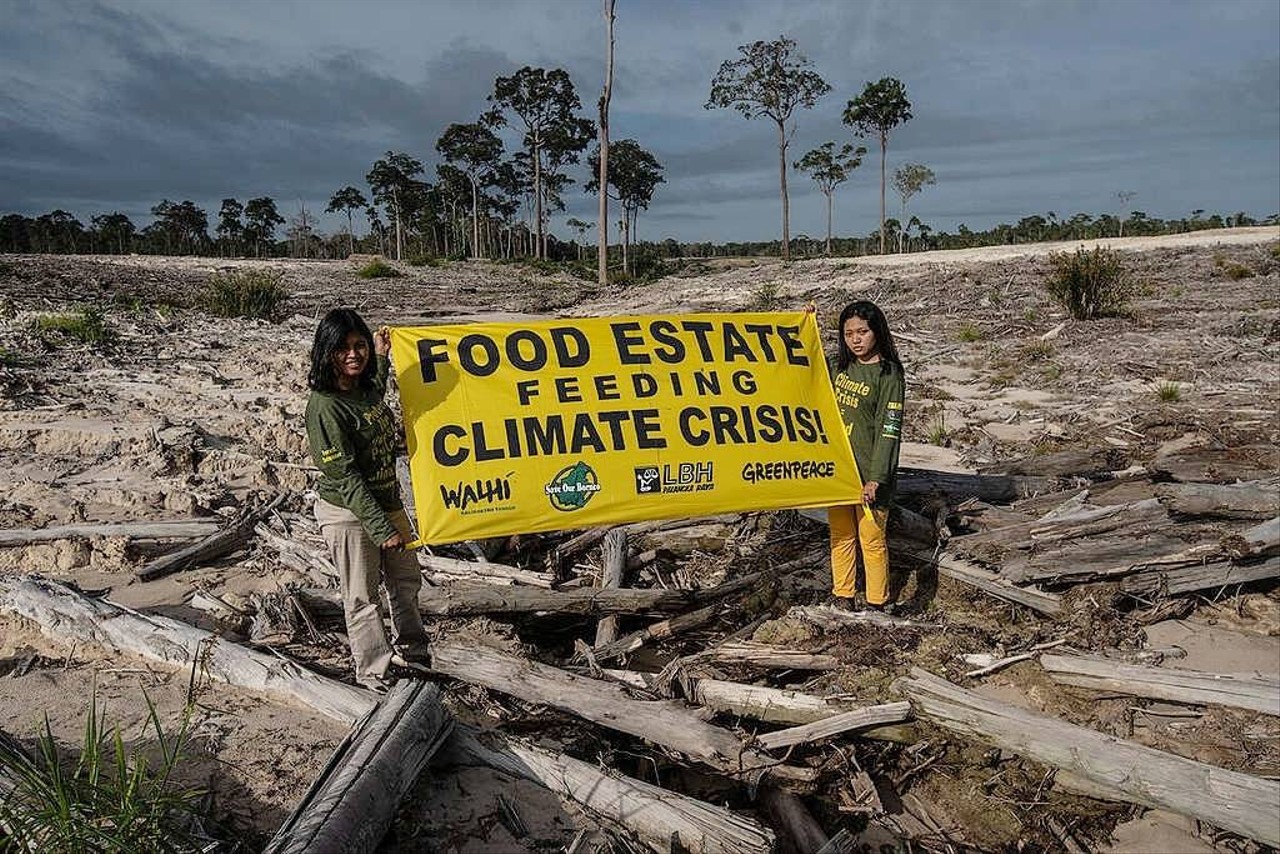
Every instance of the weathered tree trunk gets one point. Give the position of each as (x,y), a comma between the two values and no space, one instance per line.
(239,532)
(970,573)
(830,617)
(1256,500)
(1242,690)
(995,488)
(782,184)
(352,803)
(614,554)
(665,722)
(466,600)
(62,613)
(471,570)
(184,529)
(664,819)
(1207,576)
(1228,799)
(764,655)
(664,629)
(887,713)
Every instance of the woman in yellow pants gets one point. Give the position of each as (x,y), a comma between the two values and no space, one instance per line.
(870,388)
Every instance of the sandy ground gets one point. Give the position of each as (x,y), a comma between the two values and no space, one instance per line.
(188,416)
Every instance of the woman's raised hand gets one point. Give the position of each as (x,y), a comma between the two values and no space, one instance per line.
(382,341)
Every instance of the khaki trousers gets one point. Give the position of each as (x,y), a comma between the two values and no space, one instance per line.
(854,528)
(361,564)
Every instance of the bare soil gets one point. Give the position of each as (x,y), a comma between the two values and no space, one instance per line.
(184,415)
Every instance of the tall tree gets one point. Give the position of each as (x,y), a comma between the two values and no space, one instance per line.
(348,199)
(634,175)
(476,150)
(769,79)
(392,180)
(261,219)
(581,228)
(1125,196)
(115,230)
(908,179)
(546,103)
(880,108)
(602,168)
(829,169)
(230,228)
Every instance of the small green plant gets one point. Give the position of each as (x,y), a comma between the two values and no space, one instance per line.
(378,269)
(1090,284)
(245,293)
(108,799)
(767,296)
(1052,372)
(87,325)
(969,333)
(938,433)
(1236,271)
(1169,391)
(1037,351)
(1274,250)
(1030,315)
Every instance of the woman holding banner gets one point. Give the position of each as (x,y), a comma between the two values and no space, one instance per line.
(869,387)
(352,436)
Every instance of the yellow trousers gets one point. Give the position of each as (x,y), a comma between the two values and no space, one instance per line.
(854,527)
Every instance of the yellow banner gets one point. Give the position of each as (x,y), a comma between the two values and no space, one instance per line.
(525,427)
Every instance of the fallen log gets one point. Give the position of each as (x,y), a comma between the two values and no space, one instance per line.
(1130,518)
(461,600)
(614,558)
(315,562)
(664,819)
(1088,463)
(995,488)
(350,806)
(802,834)
(1207,463)
(1241,690)
(470,570)
(61,613)
(831,617)
(1231,800)
(657,631)
(214,546)
(179,529)
(764,655)
(843,722)
(988,582)
(1188,579)
(668,723)
(775,705)
(1257,499)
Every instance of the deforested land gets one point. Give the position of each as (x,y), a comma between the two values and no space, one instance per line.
(1087,656)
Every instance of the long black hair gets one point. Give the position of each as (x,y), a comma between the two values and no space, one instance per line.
(330,335)
(871,313)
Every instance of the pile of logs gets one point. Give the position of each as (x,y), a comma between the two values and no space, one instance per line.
(630,596)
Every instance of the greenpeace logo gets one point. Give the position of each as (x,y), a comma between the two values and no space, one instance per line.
(788,470)
(667,478)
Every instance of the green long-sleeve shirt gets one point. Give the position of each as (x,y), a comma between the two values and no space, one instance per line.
(871,409)
(352,436)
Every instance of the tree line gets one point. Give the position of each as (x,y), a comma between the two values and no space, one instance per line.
(488,202)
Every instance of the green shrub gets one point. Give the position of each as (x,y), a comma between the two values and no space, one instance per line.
(767,296)
(378,269)
(423,261)
(1236,271)
(87,325)
(245,293)
(108,799)
(1090,284)
(1169,391)
(1037,351)
(969,333)
(938,432)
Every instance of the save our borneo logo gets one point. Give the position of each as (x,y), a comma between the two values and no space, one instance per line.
(572,487)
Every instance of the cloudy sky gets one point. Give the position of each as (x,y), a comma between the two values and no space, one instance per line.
(1021,106)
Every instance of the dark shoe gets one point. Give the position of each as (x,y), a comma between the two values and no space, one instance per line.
(889,609)
(843,603)
(415,664)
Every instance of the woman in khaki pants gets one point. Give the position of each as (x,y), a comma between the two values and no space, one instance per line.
(352,437)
